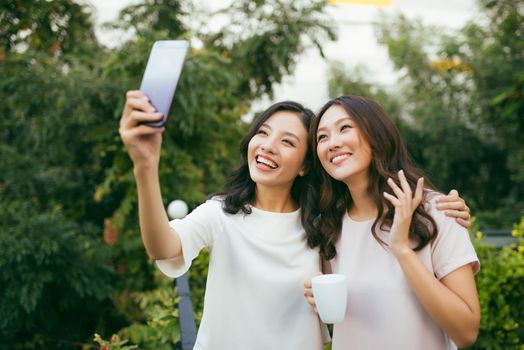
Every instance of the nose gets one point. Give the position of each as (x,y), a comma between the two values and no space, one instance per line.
(334,143)
(269,146)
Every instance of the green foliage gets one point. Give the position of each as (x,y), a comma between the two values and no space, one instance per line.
(262,35)
(113,344)
(500,284)
(344,80)
(52,271)
(66,183)
(59,28)
(53,260)
(461,97)
(154,321)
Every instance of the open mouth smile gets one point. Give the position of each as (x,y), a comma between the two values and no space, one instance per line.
(340,158)
(266,161)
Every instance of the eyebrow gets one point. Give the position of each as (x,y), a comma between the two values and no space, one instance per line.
(288,133)
(340,120)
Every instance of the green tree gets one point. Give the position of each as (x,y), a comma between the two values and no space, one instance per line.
(461,93)
(54,264)
(59,27)
(69,235)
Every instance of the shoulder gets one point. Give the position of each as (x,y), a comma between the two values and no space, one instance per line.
(430,204)
(210,209)
(446,225)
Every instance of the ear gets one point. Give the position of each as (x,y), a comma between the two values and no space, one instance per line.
(304,170)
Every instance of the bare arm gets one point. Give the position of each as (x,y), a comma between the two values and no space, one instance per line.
(452,302)
(143,144)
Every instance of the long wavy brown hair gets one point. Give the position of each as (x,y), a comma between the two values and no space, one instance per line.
(239,192)
(388,155)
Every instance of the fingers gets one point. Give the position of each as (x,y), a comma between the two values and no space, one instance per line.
(307,284)
(404,196)
(453,202)
(141,104)
(136,117)
(398,192)
(134,93)
(136,101)
(405,189)
(465,223)
(419,192)
(404,183)
(308,293)
(457,204)
(461,214)
(453,193)
(129,134)
(394,200)
(452,196)
(311,302)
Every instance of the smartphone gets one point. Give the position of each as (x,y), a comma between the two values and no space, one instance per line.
(161,75)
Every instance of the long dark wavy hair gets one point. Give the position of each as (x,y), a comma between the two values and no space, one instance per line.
(388,155)
(240,190)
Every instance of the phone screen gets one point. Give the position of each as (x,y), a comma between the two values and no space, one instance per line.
(162,73)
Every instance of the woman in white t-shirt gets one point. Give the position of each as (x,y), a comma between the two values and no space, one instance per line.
(410,268)
(255,231)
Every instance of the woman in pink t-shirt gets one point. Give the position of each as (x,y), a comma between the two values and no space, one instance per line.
(410,268)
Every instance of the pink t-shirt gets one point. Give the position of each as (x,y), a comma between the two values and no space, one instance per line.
(382,311)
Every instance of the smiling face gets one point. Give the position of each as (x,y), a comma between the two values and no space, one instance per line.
(277,151)
(341,149)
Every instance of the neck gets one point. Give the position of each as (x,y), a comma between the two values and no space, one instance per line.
(273,199)
(363,207)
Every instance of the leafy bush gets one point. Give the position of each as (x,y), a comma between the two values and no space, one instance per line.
(54,275)
(500,284)
(113,344)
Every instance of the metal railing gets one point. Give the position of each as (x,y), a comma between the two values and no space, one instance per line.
(499,238)
(188,329)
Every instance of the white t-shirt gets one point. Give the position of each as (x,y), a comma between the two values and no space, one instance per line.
(254,294)
(382,310)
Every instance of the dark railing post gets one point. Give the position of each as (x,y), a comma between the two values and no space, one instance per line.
(500,238)
(186,316)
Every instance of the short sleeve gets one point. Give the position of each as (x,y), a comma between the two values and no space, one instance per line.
(452,248)
(197,231)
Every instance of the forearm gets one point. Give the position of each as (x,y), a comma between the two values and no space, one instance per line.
(160,240)
(456,315)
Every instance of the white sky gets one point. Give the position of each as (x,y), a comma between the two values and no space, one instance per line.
(356,43)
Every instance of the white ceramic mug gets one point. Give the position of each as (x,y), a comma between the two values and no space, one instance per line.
(330,293)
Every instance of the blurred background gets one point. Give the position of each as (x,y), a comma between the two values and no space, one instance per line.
(72,264)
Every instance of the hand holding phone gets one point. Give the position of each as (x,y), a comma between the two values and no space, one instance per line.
(161,75)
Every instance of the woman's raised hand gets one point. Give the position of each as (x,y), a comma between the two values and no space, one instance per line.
(405,203)
(142,142)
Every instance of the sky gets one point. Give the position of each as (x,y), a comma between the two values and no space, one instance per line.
(356,43)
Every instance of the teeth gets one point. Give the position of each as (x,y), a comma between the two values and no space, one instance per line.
(267,162)
(339,158)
